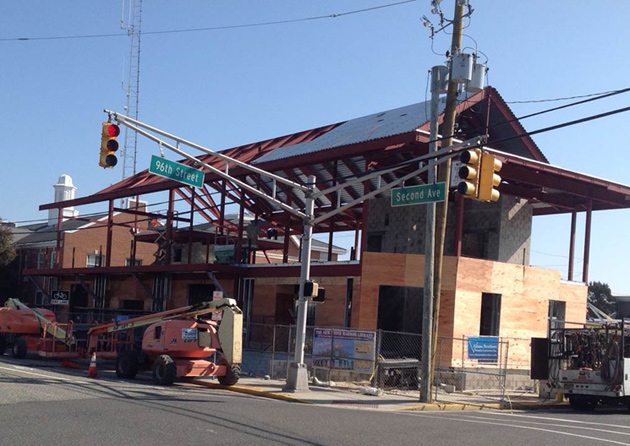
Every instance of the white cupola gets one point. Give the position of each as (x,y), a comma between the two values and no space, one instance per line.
(64,190)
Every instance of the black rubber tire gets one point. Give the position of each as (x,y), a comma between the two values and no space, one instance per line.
(3,344)
(164,370)
(19,348)
(582,403)
(127,364)
(232,376)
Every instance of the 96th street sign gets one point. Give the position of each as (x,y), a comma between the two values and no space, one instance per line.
(426,193)
(176,171)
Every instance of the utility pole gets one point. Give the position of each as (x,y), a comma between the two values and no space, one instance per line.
(438,74)
(444,174)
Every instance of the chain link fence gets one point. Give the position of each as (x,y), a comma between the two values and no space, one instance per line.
(475,365)
(481,366)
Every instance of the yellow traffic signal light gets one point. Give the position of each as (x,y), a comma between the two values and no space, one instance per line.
(488,179)
(109,145)
(469,173)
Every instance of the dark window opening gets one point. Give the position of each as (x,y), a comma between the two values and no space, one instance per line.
(198,293)
(129,304)
(375,243)
(177,254)
(400,309)
(557,314)
(490,314)
(158,332)
(348,307)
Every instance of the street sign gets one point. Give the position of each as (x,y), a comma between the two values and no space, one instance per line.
(176,171)
(60,298)
(426,193)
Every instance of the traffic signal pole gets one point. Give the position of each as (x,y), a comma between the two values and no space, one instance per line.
(297,378)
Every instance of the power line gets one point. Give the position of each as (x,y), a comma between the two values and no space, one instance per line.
(534,101)
(213,28)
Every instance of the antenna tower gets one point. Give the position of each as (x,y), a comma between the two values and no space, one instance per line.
(133,26)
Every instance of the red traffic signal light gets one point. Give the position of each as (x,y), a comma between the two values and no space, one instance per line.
(109,145)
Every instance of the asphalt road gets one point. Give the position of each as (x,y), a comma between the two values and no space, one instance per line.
(44,405)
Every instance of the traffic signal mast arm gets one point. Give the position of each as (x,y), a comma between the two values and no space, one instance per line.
(138,126)
(438,157)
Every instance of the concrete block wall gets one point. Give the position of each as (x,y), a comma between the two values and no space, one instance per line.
(494,231)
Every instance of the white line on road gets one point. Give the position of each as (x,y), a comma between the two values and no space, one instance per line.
(473,417)
(518,426)
(566,420)
(22,370)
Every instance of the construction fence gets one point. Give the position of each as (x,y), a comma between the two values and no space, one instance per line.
(390,360)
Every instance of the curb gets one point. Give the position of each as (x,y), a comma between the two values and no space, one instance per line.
(455,406)
(249,391)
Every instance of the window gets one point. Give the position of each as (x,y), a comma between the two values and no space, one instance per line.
(41,257)
(53,259)
(348,314)
(557,312)
(375,243)
(177,254)
(94,260)
(136,262)
(490,314)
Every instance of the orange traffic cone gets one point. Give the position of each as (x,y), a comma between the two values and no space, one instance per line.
(92,370)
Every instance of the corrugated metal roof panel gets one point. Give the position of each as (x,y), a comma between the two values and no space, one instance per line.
(378,125)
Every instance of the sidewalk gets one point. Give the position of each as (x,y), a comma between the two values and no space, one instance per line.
(387,401)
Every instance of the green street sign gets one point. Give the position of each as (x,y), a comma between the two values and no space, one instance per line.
(426,193)
(176,171)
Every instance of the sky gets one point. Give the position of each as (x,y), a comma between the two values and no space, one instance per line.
(230,87)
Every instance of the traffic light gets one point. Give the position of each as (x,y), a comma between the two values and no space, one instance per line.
(469,173)
(488,179)
(109,145)
(321,295)
(310,289)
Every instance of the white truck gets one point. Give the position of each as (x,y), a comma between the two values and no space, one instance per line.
(591,365)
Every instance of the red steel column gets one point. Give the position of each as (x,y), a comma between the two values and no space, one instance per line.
(587,241)
(59,223)
(287,229)
(572,245)
(364,222)
(169,224)
(222,216)
(110,226)
(239,236)
(190,230)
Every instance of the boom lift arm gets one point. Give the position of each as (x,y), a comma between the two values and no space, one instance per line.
(230,329)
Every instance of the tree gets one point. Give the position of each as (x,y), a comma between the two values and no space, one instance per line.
(599,294)
(7,249)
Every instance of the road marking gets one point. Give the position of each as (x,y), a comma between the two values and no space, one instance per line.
(518,426)
(566,420)
(473,417)
(22,370)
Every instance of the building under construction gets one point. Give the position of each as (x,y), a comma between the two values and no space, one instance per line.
(222,237)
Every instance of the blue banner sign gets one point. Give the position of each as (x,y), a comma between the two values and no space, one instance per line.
(485,349)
